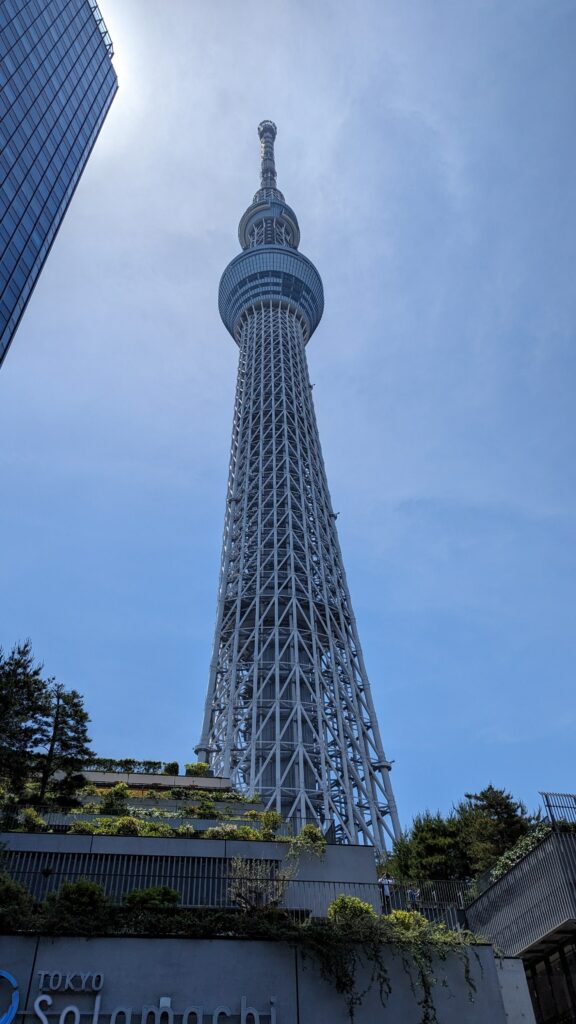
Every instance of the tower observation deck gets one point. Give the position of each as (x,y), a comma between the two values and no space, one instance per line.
(289,712)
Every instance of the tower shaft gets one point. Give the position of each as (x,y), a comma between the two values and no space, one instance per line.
(289,713)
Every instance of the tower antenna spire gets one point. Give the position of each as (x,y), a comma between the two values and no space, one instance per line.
(267,133)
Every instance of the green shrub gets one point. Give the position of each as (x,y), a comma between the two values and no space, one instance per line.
(271,822)
(91,807)
(32,822)
(187,811)
(186,831)
(104,826)
(89,790)
(133,826)
(15,905)
(179,793)
(520,849)
(253,885)
(310,840)
(115,800)
(79,908)
(150,812)
(348,911)
(205,808)
(130,825)
(155,830)
(148,767)
(407,924)
(220,832)
(157,896)
(82,828)
(170,768)
(225,794)
(197,769)
(9,814)
(246,832)
(230,832)
(127,826)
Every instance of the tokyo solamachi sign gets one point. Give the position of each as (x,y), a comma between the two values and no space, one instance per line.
(7,1015)
(54,1004)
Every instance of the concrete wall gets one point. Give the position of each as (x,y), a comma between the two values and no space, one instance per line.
(149,781)
(514,990)
(338,863)
(222,979)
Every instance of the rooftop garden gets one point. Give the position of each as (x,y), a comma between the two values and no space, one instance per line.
(46,756)
(110,813)
(132,766)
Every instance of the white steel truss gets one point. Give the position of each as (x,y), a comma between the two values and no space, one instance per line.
(289,712)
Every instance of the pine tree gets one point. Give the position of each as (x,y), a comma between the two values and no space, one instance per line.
(68,744)
(431,849)
(24,711)
(466,842)
(490,823)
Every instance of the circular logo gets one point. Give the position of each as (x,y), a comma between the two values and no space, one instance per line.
(8,1016)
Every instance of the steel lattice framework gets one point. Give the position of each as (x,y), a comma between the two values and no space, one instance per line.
(289,712)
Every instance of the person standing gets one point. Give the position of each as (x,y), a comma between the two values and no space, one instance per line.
(385,883)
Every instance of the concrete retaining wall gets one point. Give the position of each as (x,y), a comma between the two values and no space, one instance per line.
(113,981)
(337,864)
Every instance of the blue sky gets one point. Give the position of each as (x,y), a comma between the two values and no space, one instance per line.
(429,152)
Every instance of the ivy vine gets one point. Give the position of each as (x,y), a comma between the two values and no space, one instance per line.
(354,937)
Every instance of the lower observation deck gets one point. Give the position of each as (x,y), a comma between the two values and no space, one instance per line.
(271,274)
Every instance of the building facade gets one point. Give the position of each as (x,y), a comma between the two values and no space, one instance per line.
(56,86)
(289,712)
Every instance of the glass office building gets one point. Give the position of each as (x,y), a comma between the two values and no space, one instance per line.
(56,85)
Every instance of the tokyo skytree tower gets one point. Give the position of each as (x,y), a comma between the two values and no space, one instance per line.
(289,713)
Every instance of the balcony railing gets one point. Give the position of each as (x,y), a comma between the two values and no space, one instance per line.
(205,889)
(560,808)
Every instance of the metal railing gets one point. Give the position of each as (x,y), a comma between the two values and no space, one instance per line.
(441,892)
(560,808)
(209,890)
(439,901)
(257,889)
